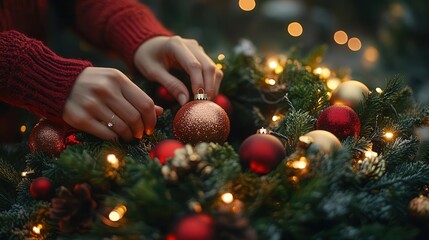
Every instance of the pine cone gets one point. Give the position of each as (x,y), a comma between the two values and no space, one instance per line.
(73,211)
(372,167)
(187,160)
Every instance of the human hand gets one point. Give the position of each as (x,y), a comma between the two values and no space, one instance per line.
(105,95)
(155,57)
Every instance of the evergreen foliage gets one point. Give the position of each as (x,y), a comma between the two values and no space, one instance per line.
(330,202)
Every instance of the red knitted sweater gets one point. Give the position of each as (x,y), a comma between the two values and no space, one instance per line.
(35,78)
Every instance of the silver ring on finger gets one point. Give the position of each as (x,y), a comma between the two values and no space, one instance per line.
(111,123)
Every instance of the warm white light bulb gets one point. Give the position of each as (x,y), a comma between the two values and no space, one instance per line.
(113,160)
(227,198)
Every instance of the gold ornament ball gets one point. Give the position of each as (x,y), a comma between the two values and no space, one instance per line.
(350,93)
(418,208)
(324,140)
(201,121)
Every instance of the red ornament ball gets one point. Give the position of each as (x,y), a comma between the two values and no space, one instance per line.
(71,140)
(41,188)
(201,121)
(194,227)
(224,103)
(340,120)
(165,150)
(48,137)
(163,95)
(261,153)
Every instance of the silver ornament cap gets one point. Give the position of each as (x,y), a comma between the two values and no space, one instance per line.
(200,95)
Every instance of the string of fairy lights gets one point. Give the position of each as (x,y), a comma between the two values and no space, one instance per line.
(275,66)
(226,202)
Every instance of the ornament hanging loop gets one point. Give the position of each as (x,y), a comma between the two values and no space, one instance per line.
(262,131)
(200,95)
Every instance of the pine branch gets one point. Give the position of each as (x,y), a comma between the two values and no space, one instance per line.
(394,99)
(399,151)
(406,177)
(8,174)
(294,125)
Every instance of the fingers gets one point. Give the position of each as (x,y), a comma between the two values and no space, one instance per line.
(188,61)
(107,115)
(208,68)
(126,113)
(173,85)
(218,81)
(105,103)
(99,129)
(114,123)
(135,107)
(200,67)
(158,110)
(85,122)
(156,56)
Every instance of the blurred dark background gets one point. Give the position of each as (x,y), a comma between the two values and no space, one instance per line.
(394,35)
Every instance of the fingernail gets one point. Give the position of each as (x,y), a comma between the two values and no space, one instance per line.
(139,135)
(159,110)
(149,131)
(182,99)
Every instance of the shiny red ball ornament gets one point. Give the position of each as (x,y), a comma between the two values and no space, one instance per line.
(165,150)
(41,188)
(201,120)
(48,137)
(340,120)
(224,103)
(261,152)
(194,227)
(163,95)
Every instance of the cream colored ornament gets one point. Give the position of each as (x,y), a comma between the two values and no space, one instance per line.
(350,93)
(324,140)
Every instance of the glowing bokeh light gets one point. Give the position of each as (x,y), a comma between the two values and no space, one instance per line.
(227,198)
(371,54)
(340,37)
(295,29)
(354,44)
(247,5)
(220,57)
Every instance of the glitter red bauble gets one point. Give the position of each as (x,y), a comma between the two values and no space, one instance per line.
(194,227)
(165,150)
(48,137)
(41,188)
(224,103)
(340,120)
(201,121)
(261,153)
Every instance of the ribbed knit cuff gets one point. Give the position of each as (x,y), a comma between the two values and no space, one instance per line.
(35,78)
(127,30)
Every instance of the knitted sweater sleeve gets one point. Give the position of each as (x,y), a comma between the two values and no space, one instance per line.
(119,25)
(33,77)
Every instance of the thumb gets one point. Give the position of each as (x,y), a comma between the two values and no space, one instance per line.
(158,110)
